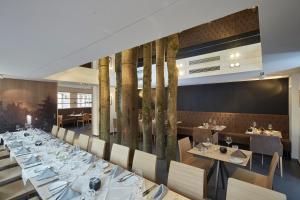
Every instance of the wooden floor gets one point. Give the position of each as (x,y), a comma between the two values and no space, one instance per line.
(288,185)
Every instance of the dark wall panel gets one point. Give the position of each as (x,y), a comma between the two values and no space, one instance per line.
(19,98)
(258,97)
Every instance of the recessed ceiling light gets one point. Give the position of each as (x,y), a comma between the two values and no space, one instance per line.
(232,56)
(231,65)
(237,64)
(237,55)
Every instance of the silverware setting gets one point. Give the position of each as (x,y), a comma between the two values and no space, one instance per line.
(149,190)
(124,178)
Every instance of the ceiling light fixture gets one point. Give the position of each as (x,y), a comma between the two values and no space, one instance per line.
(237,64)
(231,65)
(234,55)
(237,55)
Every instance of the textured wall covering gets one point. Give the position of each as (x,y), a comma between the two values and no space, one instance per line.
(19,98)
(231,25)
(256,97)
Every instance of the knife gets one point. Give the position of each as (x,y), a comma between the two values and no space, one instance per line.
(148,190)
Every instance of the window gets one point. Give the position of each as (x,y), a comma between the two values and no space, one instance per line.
(84,100)
(63,100)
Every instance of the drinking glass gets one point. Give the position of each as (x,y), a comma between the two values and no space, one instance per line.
(209,120)
(228,140)
(214,122)
(254,124)
(270,127)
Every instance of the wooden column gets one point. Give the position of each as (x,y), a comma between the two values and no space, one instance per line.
(172,48)
(146,109)
(104,97)
(129,98)
(159,104)
(118,94)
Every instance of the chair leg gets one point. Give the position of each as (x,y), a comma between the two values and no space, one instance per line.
(281,170)
(262,159)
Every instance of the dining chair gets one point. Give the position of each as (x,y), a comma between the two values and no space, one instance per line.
(145,162)
(54,130)
(267,145)
(2,148)
(240,190)
(98,147)
(70,137)
(10,175)
(202,134)
(16,190)
(7,163)
(84,119)
(256,178)
(61,133)
(83,141)
(120,155)
(115,126)
(60,120)
(187,180)
(184,145)
(4,154)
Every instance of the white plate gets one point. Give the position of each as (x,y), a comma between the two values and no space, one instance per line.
(236,160)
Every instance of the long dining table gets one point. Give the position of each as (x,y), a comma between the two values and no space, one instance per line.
(73,170)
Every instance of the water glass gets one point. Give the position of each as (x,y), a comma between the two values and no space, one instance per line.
(270,127)
(228,140)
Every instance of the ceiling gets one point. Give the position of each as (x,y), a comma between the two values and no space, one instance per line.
(39,39)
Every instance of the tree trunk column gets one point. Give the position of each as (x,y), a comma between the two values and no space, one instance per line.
(160,93)
(104,96)
(118,95)
(129,99)
(172,48)
(146,109)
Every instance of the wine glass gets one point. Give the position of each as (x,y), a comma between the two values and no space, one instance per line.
(254,124)
(209,120)
(270,127)
(214,122)
(228,140)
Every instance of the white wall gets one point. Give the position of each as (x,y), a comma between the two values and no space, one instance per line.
(294,114)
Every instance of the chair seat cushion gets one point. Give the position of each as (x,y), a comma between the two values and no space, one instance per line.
(10,175)
(7,163)
(16,190)
(251,177)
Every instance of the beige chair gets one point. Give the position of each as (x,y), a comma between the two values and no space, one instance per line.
(202,134)
(83,142)
(187,180)
(4,154)
(10,175)
(61,133)
(34,198)
(54,130)
(60,120)
(7,163)
(240,190)
(16,190)
(184,145)
(84,119)
(267,145)
(120,155)
(145,162)
(98,147)
(70,137)
(2,148)
(258,179)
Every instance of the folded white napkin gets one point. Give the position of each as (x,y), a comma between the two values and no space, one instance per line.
(160,192)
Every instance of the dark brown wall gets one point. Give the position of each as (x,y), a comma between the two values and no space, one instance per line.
(19,98)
